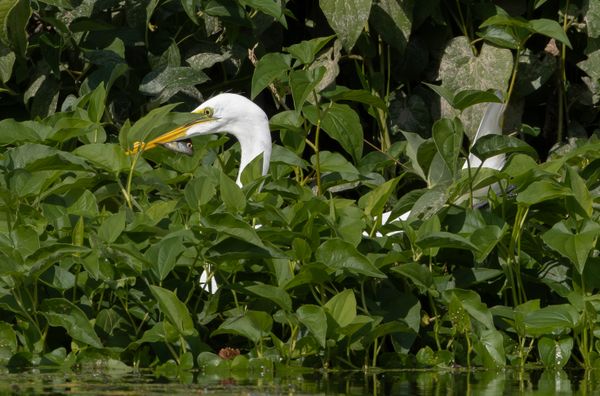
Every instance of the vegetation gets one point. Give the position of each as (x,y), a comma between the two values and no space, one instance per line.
(102,253)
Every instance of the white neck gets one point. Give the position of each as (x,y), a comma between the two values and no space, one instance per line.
(252,147)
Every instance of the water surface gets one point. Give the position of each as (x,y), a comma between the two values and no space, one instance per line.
(426,382)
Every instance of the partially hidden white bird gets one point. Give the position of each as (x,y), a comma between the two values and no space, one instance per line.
(224,113)
(230,113)
(491,124)
(248,123)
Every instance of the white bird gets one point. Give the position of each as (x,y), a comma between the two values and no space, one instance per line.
(491,124)
(231,113)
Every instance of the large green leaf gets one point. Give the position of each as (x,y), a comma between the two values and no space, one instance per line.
(448,135)
(105,156)
(339,255)
(471,302)
(347,18)
(461,70)
(341,123)
(163,256)
(232,195)
(303,83)
(62,313)
(269,7)
(491,145)
(542,190)
(555,353)
(269,68)
(574,245)
(174,310)
(393,20)
(342,307)
(315,320)
(253,325)
(273,293)
(553,319)
(306,51)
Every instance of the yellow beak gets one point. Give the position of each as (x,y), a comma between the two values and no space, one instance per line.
(171,136)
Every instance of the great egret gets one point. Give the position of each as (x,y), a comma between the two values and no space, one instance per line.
(491,124)
(226,112)
(246,121)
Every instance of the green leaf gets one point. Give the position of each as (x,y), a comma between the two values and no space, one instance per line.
(417,273)
(168,81)
(96,103)
(227,224)
(62,313)
(555,353)
(105,156)
(254,325)
(471,302)
(553,319)
(374,201)
(490,145)
(269,7)
(342,307)
(174,310)
(340,255)
(470,97)
(232,195)
(581,202)
(491,348)
(550,28)
(355,95)
(443,239)
(303,82)
(393,20)
(14,15)
(315,320)
(8,347)
(112,226)
(273,293)
(347,18)
(448,135)
(163,256)
(341,123)
(542,190)
(576,246)
(460,69)
(269,68)
(85,205)
(7,62)
(306,51)
(145,128)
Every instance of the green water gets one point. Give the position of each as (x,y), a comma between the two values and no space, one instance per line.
(507,382)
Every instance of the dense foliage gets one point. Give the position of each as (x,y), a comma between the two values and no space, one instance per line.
(101,254)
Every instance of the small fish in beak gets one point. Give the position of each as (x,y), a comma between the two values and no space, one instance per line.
(180,146)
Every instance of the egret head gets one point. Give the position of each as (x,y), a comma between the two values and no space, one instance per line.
(230,113)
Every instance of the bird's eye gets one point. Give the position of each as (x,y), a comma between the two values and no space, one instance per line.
(208,111)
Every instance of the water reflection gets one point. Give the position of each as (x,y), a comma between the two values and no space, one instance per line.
(488,383)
